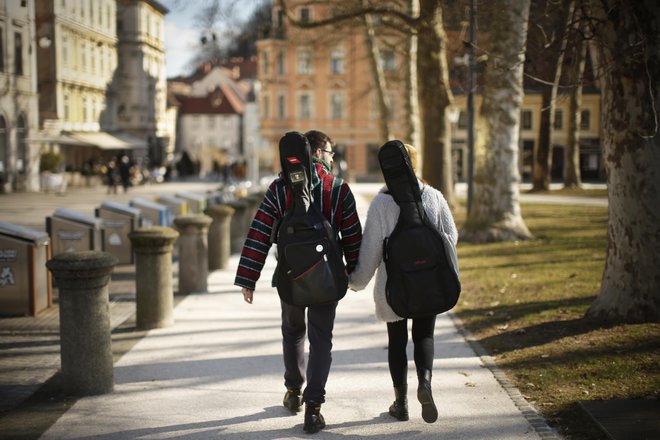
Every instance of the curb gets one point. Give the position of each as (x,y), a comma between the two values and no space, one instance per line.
(531,414)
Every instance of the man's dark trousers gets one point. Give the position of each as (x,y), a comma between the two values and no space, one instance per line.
(321,321)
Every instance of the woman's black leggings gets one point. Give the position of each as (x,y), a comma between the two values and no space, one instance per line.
(422,335)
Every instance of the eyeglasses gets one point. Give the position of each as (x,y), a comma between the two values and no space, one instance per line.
(330,152)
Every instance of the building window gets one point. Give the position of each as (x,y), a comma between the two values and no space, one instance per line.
(65,107)
(18,53)
(2,50)
(462,120)
(304,15)
(83,56)
(305,104)
(265,107)
(65,50)
(4,148)
(337,62)
(388,60)
(585,120)
(304,62)
(22,153)
(526,119)
(84,109)
(336,106)
(559,120)
(281,62)
(279,18)
(281,111)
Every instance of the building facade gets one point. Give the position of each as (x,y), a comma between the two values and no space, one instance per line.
(321,78)
(19,104)
(140,86)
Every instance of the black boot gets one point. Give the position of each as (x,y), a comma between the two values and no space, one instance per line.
(292,400)
(314,420)
(425,397)
(399,409)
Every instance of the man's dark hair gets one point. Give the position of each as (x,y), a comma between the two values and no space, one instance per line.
(317,139)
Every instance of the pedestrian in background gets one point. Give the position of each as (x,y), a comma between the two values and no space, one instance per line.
(112,177)
(381,219)
(335,199)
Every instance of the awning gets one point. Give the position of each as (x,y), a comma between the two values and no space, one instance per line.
(109,141)
(54,138)
(99,139)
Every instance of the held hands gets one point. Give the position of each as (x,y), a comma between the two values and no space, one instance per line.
(247,295)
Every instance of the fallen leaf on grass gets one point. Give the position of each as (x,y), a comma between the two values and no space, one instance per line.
(465,373)
(545,356)
(503,327)
(470,384)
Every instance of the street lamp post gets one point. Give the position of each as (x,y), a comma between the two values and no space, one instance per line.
(470,102)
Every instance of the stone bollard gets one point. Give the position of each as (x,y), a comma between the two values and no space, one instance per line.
(193,252)
(238,229)
(219,238)
(85,340)
(254,199)
(154,295)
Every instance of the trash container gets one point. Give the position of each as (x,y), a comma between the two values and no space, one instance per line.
(152,213)
(24,280)
(71,231)
(118,221)
(196,202)
(178,206)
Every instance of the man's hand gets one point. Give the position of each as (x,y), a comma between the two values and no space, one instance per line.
(247,295)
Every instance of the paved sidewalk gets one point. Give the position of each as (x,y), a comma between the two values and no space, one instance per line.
(217,373)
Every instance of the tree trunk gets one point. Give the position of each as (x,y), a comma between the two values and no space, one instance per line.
(627,61)
(543,153)
(411,103)
(495,213)
(434,98)
(572,150)
(378,78)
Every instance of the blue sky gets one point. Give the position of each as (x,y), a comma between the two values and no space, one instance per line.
(181,36)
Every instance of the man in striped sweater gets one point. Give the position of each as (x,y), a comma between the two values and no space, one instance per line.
(335,199)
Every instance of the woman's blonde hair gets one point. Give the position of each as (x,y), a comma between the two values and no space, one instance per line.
(412,153)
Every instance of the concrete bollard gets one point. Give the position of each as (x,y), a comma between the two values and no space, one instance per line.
(154,295)
(239,226)
(85,340)
(193,252)
(219,235)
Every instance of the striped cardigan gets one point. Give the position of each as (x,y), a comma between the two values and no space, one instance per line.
(331,194)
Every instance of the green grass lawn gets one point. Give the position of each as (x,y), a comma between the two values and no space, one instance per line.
(525,302)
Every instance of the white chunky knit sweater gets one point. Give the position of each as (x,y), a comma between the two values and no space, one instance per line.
(381,218)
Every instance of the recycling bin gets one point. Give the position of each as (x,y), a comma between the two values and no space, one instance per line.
(152,213)
(178,206)
(118,221)
(71,231)
(24,280)
(196,202)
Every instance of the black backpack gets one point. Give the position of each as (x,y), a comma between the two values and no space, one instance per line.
(422,269)
(310,269)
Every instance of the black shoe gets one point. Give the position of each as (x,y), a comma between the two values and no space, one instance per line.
(314,420)
(399,409)
(425,397)
(292,400)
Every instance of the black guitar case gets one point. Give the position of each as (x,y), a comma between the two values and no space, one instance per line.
(310,269)
(422,269)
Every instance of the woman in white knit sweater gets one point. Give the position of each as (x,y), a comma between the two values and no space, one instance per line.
(381,218)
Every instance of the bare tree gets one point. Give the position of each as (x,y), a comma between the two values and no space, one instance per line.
(626,56)
(558,17)
(495,213)
(572,178)
(434,92)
